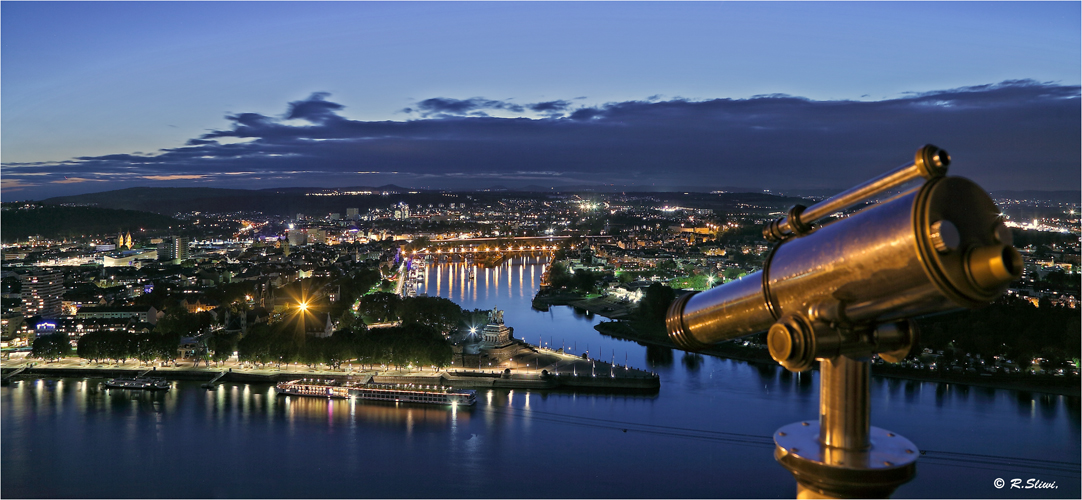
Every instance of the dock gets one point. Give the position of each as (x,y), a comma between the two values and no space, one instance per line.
(15,372)
(214,381)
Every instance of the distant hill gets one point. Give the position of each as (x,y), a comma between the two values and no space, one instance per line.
(290,201)
(287,201)
(61,222)
(1052,196)
(157,200)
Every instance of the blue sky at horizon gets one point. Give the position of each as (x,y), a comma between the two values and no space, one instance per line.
(89,88)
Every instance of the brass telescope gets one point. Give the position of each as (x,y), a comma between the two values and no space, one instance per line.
(844,290)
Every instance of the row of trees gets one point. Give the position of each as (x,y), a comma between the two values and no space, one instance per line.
(1010,326)
(117,346)
(121,346)
(583,280)
(53,346)
(436,313)
(411,343)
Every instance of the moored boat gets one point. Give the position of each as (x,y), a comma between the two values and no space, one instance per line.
(152,384)
(394,393)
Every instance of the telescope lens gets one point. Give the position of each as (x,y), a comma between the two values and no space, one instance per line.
(944,236)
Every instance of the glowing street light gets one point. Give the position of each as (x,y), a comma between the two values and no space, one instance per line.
(303,306)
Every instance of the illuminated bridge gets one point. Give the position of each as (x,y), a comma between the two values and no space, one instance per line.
(482,247)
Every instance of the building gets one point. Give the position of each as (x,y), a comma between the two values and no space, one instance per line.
(140,314)
(42,293)
(401,210)
(199,304)
(128,258)
(298,237)
(174,249)
(320,329)
(353,213)
(77,327)
(180,248)
(123,241)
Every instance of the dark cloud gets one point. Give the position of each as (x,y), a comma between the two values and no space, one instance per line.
(1017,135)
(315,109)
(550,106)
(446,106)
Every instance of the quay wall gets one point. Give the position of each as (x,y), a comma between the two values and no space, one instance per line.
(459,380)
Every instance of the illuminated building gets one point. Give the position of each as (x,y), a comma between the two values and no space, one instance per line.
(140,314)
(180,248)
(129,258)
(199,305)
(176,249)
(401,210)
(41,294)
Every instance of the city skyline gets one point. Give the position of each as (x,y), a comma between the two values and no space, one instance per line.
(102,96)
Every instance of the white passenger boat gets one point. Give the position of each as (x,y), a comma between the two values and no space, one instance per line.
(393,393)
(150,384)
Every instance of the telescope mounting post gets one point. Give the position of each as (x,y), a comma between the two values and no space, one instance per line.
(842,455)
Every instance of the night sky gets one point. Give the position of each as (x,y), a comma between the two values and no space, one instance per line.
(99,96)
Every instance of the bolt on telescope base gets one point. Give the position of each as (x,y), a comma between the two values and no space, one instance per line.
(826,472)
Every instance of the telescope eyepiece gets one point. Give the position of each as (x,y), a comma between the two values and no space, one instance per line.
(993,266)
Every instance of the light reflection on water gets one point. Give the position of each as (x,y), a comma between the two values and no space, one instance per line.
(507,429)
(242,440)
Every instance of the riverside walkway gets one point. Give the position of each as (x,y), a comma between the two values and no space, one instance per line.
(534,367)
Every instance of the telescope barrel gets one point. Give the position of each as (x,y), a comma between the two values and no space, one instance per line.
(930,162)
(938,247)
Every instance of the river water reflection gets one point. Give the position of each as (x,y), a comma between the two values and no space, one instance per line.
(704,434)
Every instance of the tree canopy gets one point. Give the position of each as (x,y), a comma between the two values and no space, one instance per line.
(54,346)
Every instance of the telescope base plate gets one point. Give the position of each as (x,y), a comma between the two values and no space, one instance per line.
(828,472)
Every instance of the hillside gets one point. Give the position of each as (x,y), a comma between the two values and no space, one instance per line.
(281,201)
(52,221)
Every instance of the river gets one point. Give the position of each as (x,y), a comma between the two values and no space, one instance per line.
(704,434)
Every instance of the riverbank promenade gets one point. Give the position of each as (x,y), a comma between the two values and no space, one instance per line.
(534,367)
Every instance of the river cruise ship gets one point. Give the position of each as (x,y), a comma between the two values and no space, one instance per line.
(150,384)
(393,393)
